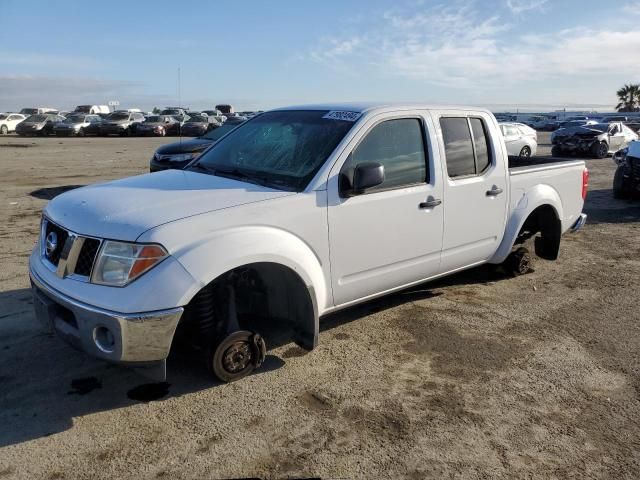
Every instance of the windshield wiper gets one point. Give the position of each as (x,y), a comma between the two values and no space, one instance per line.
(252,177)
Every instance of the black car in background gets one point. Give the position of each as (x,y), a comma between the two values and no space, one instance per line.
(198,125)
(159,126)
(178,155)
(39,124)
(78,124)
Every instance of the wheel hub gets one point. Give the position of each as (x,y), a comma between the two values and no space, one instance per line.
(237,357)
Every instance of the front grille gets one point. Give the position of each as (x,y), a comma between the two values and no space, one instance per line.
(87,256)
(61,237)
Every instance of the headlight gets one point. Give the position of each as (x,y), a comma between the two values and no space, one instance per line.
(120,263)
(183,157)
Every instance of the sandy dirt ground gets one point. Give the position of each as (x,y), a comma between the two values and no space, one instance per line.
(473,376)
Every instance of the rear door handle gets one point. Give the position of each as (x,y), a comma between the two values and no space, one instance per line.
(430,203)
(494,192)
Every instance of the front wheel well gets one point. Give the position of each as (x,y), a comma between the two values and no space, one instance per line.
(269,298)
(544,227)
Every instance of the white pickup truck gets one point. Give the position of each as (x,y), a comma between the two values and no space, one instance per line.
(295,214)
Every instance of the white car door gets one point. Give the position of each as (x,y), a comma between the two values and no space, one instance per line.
(514,140)
(12,121)
(475,188)
(389,235)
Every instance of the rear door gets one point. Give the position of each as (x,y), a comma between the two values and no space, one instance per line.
(390,235)
(475,188)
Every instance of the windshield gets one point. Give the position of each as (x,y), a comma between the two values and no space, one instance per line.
(37,118)
(3,116)
(171,111)
(603,127)
(152,119)
(29,111)
(197,119)
(283,148)
(118,116)
(83,108)
(74,119)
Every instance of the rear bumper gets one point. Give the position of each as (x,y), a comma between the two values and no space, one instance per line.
(582,219)
(139,338)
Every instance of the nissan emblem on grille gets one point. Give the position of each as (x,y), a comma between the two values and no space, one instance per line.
(51,243)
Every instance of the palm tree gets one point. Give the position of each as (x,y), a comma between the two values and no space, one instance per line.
(629,97)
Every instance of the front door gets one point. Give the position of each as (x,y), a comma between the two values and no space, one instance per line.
(475,190)
(389,235)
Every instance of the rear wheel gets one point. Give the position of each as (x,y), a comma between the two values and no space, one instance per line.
(236,356)
(556,151)
(4,130)
(519,262)
(600,150)
(525,152)
(618,184)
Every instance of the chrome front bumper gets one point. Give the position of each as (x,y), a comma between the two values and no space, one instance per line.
(117,337)
(582,219)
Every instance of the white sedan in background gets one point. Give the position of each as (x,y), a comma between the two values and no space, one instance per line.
(8,122)
(521,140)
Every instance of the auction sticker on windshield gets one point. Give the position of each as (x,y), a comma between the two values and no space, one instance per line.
(344,116)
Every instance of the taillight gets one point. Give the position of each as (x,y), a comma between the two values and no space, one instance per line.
(585,183)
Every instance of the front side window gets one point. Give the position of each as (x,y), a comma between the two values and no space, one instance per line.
(466,144)
(282,149)
(398,145)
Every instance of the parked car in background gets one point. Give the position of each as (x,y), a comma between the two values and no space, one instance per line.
(633,124)
(37,111)
(597,140)
(121,123)
(614,118)
(198,125)
(212,113)
(9,122)
(178,112)
(224,108)
(626,181)
(92,109)
(179,154)
(41,124)
(159,126)
(521,140)
(78,124)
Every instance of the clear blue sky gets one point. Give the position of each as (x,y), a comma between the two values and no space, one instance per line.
(256,54)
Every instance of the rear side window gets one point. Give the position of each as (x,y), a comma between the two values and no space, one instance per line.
(398,145)
(458,147)
(483,155)
(466,144)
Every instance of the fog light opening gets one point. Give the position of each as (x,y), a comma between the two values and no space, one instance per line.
(104,339)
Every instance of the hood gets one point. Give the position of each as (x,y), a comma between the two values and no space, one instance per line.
(68,125)
(581,131)
(124,209)
(186,146)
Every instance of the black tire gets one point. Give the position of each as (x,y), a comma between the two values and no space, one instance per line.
(618,184)
(600,149)
(81,132)
(4,130)
(236,356)
(525,152)
(556,151)
(518,262)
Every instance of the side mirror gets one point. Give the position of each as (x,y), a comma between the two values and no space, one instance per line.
(365,175)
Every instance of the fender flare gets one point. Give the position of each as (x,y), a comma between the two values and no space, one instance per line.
(257,244)
(535,197)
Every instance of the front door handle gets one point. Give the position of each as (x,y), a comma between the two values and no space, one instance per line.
(430,203)
(494,192)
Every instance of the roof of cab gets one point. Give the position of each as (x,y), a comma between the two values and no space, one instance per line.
(369,107)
